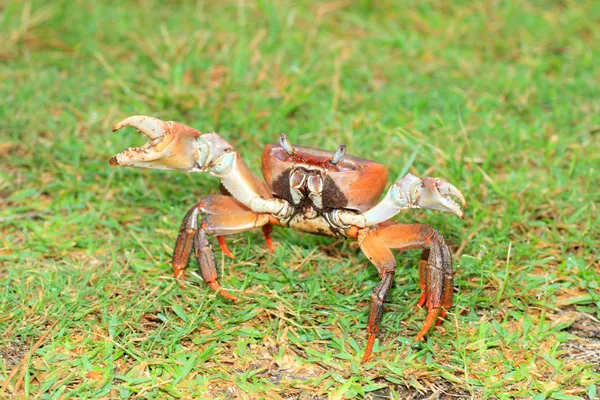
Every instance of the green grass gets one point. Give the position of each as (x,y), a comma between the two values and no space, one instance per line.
(499,98)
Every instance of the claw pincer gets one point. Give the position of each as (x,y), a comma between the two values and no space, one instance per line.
(307,189)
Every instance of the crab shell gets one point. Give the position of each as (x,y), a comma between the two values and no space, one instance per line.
(351,183)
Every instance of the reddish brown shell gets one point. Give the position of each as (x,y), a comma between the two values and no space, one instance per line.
(361,181)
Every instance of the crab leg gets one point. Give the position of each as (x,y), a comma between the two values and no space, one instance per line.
(423,277)
(185,241)
(435,267)
(222,215)
(224,248)
(380,255)
(267,229)
(208,266)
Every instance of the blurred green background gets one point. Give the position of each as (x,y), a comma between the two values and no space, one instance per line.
(499,98)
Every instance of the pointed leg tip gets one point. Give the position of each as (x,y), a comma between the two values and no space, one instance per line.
(222,292)
(179,275)
(228,296)
(227,252)
(419,337)
(432,315)
(180,282)
(369,349)
(269,244)
(224,248)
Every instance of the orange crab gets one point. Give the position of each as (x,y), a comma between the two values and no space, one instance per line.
(308,189)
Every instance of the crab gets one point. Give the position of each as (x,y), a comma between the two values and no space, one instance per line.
(311,190)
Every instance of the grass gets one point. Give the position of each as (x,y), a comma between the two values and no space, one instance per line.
(499,98)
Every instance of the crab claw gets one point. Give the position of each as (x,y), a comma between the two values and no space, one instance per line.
(431,193)
(170,145)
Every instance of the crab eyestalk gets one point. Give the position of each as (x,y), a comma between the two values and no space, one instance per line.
(285,143)
(339,154)
(170,145)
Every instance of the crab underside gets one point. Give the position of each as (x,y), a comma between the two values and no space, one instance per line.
(311,190)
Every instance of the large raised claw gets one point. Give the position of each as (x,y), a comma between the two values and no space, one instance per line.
(170,145)
(430,193)
(175,146)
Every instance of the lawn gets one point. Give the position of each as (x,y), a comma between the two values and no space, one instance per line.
(499,98)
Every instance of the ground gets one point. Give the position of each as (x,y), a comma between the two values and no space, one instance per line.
(498,98)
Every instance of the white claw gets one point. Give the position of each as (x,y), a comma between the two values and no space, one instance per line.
(414,192)
(447,189)
(153,128)
(436,196)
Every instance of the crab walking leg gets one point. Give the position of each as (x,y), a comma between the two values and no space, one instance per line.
(224,248)
(423,278)
(435,267)
(267,229)
(208,266)
(185,241)
(380,255)
(221,215)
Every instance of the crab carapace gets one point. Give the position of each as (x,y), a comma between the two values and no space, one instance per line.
(307,189)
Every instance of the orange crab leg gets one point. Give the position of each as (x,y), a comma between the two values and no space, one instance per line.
(423,277)
(185,240)
(267,229)
(381,256)
(435,267)
(221,215)
(224,248)
(208,267)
